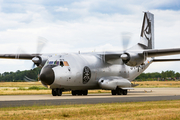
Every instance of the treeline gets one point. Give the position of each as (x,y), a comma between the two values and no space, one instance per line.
(32,75)
(19,76)
(163,76)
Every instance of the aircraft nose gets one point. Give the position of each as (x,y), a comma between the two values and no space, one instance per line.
(47,75)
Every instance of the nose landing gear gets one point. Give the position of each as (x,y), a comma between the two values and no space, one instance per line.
(56,92)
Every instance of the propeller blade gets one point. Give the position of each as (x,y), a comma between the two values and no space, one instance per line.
(33,66)
(126,36)
(41,42)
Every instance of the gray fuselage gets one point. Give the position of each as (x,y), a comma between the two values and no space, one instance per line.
(83,71)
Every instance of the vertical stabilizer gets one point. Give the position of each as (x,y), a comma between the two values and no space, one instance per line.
(147,31)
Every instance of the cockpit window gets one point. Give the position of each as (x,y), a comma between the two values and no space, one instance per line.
(50,62)
(61,63)
(47,62)
(56,62)
(66,63)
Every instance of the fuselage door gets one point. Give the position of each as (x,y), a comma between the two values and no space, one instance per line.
(66,64)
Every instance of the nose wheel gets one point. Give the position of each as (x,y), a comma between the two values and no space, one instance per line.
(56,92)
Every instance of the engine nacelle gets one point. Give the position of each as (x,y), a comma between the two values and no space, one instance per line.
(133,59)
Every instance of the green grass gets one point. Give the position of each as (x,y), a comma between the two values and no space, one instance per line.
(32,88)
(22,88)
(37,88)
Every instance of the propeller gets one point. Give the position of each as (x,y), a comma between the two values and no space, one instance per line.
(41,42)
(126,36)
(130,59)
(27,79)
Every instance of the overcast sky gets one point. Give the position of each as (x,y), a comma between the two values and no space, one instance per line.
(84,25)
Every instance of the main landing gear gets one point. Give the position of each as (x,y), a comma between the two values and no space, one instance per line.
(79,92)
(119,91)
(56,92)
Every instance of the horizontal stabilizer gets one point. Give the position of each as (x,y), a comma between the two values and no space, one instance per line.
(165,60)
(161,52)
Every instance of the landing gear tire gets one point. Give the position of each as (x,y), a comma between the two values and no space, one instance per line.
(119,91)
(53,92)
(79,92)
(73,92)
(58,92)
(124,92)
(85,92)
(113,92)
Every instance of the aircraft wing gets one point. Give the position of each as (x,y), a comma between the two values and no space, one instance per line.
(147,53)
(110,55)
(18,56)
(161,52)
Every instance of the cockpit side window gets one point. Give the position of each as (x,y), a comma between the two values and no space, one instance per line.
(50,62)
(66,63)
(61,63)
(47,62)
(56,62)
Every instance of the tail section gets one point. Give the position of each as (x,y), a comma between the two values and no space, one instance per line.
(147,31)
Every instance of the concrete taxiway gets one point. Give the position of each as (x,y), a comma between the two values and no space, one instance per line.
(136,95)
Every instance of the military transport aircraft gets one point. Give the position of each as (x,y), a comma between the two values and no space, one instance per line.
(80,72)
